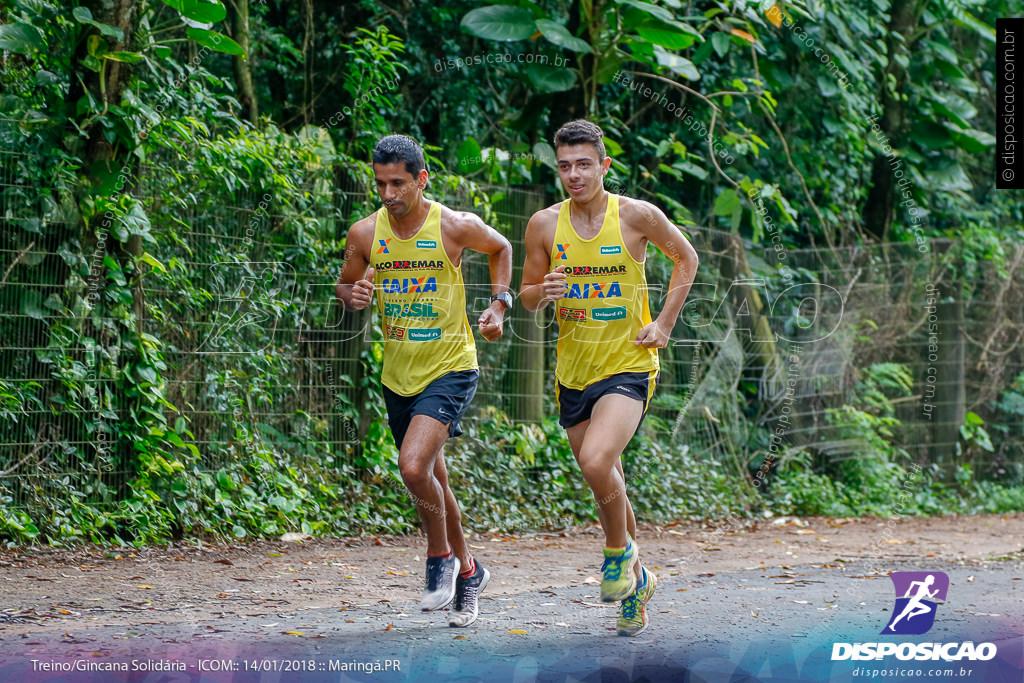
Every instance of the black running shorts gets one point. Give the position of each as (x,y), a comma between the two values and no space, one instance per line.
(445,399)
(576,405)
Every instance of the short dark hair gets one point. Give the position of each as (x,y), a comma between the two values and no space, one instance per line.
(580,132)
(400,148)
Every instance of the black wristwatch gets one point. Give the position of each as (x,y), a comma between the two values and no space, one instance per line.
(505,298)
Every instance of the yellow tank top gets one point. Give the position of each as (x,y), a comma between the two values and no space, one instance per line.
(606,305)
(422,303)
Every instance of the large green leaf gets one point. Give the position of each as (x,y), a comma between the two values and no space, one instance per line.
(949,175)
(550,79)
(974,141)
(726,203)
(649,9)
(470,156)
(214,41)
(956,108)
(680,65)
(84,16)
(21,38)
(671,39)
(931,135)
(32,304)
(545,153)
(560,36)
(499,22)
(203,12)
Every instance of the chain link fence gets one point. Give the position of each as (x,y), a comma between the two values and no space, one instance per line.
(259,352)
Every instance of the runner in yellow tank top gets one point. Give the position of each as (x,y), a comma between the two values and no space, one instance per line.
(422,303)
(605,306)
(587,255)
(409,252)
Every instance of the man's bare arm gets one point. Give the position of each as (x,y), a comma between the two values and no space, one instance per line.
(470,232)
(539,285)
(662,233)
(354,288)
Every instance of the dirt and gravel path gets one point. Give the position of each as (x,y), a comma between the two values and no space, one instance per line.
(750,599)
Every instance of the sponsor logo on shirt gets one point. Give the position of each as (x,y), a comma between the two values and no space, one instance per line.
(594,290)
(572,314)
(429,334)
(410,265)
(595,270)
(616,313)
(409,285)
(417,310)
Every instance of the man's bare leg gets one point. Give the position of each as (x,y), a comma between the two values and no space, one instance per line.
(598,444)
(453,514)
(417,461)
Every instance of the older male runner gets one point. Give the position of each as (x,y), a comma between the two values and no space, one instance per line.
(410,252)
(587,254)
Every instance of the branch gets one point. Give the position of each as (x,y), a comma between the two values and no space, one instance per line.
(803,184)
(711,150)
(18,258)
(677,84)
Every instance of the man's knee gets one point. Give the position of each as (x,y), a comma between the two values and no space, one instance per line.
(416,472)
(596,469)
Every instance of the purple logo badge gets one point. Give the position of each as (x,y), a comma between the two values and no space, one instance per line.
(917,594)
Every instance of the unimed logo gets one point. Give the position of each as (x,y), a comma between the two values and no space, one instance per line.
(917,598)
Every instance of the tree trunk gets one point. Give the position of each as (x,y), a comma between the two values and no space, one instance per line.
(525,382)
(104,157)
(880,206)
(950,394)
(243,65)
(759,349)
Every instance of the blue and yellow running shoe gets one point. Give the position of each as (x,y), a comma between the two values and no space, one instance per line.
(633,619)
(618,581)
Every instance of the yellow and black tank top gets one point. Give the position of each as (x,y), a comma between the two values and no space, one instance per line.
(605,306)
(422,303)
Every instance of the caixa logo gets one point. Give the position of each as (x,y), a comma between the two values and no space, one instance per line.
(918,595)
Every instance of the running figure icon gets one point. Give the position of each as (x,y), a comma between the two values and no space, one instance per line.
(916,596)
(915,607)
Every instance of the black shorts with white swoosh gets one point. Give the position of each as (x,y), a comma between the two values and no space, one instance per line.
(446,399)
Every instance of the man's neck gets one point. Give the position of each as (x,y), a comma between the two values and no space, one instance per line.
(590,209)
(405,226)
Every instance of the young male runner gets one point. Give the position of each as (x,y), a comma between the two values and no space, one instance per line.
(587,254)
(410,252)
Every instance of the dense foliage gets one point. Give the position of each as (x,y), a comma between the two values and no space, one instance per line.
(163,157)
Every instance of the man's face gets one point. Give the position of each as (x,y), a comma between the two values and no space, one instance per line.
(398,189)
(582,170)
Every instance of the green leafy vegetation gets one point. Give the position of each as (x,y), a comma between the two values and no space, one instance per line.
(177,182)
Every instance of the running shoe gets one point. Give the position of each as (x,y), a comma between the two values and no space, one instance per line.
(618,581)
(633,619)
(467,590)
(441,573)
